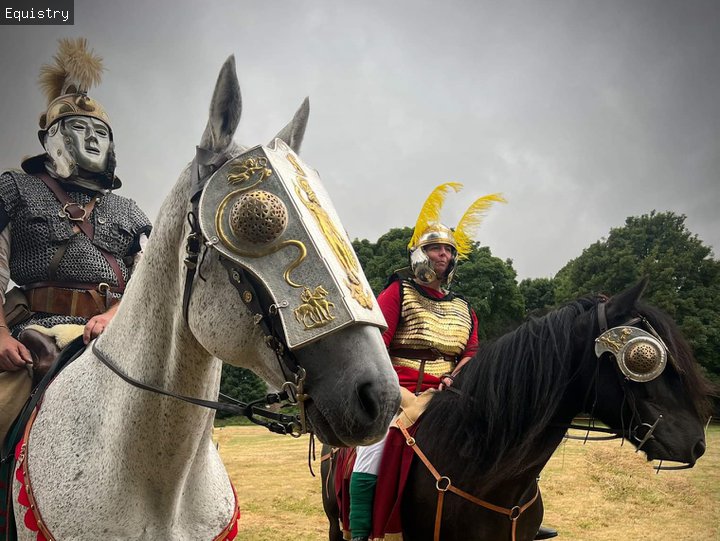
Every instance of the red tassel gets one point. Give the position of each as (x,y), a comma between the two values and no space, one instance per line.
(23,496)
(31,521)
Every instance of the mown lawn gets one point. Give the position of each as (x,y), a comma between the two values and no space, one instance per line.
(593,492)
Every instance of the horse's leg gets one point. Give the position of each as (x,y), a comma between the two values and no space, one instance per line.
(330,503)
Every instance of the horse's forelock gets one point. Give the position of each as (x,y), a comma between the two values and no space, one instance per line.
(698,388)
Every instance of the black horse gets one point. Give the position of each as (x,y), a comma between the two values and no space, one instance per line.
(513,404)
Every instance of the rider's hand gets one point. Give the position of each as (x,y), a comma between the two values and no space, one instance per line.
(446,380)
(96,325)
(13,355)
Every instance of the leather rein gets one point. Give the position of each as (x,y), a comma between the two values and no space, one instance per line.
(444,484)
(264,315)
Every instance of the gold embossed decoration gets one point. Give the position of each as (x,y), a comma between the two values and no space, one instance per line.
(258,217)
(315,310)
(252,170)
(339,245)
(615,338)
(66,83)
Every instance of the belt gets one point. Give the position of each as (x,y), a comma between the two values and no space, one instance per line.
(423,354)
(70,302)
(435,367)
(89,286)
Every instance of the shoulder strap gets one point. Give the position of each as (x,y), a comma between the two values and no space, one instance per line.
(77,214)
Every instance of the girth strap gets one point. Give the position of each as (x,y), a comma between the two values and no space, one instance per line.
(444,484)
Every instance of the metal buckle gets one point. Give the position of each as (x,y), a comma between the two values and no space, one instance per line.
(103,288)
(65,214)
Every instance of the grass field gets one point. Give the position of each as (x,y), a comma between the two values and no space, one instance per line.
(594,492)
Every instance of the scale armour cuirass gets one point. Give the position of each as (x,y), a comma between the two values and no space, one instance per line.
(38,229)
(440,326)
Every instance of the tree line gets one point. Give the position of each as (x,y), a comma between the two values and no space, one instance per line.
(684,281)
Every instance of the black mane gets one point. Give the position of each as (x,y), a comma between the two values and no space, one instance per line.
(513,387)
(510,392)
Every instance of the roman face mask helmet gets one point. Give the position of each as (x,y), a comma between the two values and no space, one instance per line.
(69,149)
(429,230)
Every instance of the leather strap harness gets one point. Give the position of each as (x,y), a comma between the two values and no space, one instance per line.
(443,484)
(78,215)
(266,317)
(72,298)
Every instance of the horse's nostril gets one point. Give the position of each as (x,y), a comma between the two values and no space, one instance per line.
(368,400)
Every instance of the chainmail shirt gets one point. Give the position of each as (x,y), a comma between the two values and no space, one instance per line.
(39,229)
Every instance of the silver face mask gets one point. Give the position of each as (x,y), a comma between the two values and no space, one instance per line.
(89,140)
(640,356)
(269,213)
(77,145)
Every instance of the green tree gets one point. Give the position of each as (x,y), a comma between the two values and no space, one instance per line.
(539,294)
(241,384)
(380,259)
(490,285)
(684,278)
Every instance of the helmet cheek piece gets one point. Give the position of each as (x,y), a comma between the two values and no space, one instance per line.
(421,267)
(452,266)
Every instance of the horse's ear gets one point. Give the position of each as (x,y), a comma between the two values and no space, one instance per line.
(225,109)
(293,133)
(622,303)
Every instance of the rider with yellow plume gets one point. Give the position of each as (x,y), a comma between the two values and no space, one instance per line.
(431,332)
(66,239)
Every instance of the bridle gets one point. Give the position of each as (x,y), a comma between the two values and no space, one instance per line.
(265,315)
(613,340)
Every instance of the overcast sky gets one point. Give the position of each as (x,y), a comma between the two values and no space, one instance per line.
(581,113)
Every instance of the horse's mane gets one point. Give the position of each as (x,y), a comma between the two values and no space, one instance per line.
(512,389)
(509,393)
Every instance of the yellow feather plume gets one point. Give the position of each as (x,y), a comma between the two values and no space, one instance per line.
(430,211)
(470,221)
(76,69)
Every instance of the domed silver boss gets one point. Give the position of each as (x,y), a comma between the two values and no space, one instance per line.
(640,356)
(258,217)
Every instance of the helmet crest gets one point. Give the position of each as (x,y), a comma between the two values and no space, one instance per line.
(429,230)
